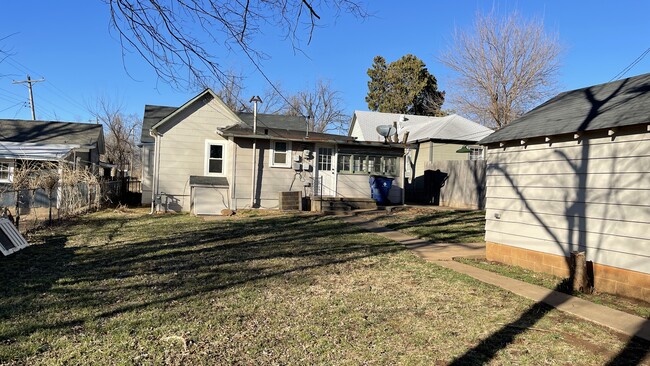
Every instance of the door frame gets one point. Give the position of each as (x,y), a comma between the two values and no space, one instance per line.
(333,167)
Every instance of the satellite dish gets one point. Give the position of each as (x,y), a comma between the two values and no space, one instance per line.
(386,130)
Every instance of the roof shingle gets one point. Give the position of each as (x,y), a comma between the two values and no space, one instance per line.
(616,104)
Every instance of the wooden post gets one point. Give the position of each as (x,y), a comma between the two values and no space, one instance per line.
(579,271)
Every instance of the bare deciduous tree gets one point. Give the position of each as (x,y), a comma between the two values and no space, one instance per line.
(322,105)
(120,132)
(505,66)
(178,37)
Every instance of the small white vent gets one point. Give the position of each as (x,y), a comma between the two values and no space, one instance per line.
(10,239)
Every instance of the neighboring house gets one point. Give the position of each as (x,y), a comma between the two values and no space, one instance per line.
(435,140)
(22,141)
(27,140)
(199,158)
(574,175)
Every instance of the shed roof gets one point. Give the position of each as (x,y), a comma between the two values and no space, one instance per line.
(152,115)
(421,128)
(615,104)
(51,132)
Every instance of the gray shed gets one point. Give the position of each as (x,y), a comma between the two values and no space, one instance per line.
(574,175)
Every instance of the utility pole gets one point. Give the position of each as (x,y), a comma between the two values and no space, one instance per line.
(29,83)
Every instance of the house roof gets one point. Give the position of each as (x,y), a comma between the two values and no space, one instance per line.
(420,128)
(274,121)
(616,104)
(31,151)
(52,132)
(297,135)
(152,115)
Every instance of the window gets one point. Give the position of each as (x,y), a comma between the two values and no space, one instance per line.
(358,164)
(325,158)
(344,163)
(374,164)
(390,165)
(280,154)
(6,172)
(476,153)
(368,164)
(214,158)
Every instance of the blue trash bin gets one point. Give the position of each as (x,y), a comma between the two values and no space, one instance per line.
(379,188)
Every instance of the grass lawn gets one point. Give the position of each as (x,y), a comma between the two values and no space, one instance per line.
(436,225)
(129,288)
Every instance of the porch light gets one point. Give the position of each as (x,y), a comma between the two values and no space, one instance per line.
(463,150)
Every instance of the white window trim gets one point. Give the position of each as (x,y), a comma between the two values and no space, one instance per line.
(272,162)
(206,158)
(11,172)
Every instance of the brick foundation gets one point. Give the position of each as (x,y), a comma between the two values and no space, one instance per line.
(606,278)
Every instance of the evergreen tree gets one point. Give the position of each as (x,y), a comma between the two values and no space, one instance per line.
(404,86)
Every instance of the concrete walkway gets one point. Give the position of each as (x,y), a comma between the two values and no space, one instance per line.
(442,254)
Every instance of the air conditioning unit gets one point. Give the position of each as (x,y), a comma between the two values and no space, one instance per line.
(291,201)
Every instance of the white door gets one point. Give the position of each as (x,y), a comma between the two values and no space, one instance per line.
(325,178)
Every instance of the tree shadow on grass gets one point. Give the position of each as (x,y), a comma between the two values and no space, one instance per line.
(445,226)
(634,352)
(178,262)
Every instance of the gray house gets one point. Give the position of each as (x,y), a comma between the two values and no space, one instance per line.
(27,140)
(203,158)
(445,164)
(574,175)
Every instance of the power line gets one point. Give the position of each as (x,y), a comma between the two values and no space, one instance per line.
(630,66)
(29,83)
(15,105)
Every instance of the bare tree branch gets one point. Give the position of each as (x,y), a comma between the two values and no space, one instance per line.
(504,67)
(322,105)
(179,38)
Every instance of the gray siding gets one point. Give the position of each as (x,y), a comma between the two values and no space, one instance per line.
(588,195)
(465,184)
(146,157)
(269,180)
(183,149)
(425,158)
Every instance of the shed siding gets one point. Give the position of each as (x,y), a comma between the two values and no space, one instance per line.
(444,152)
(574,195)
(182,148)
(147,172)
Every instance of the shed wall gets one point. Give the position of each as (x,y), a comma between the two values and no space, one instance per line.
(586,195)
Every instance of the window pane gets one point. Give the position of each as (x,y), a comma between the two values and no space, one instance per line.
(344,163)
(280,158)
(358,163)
(374,164)
(216,151)
(4,171)
(281,146)
(390,165)
(216,166)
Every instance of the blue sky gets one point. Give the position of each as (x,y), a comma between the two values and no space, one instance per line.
(70,44)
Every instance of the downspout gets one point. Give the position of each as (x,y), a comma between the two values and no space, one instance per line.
(254,99)
(154,176)
(233,184)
